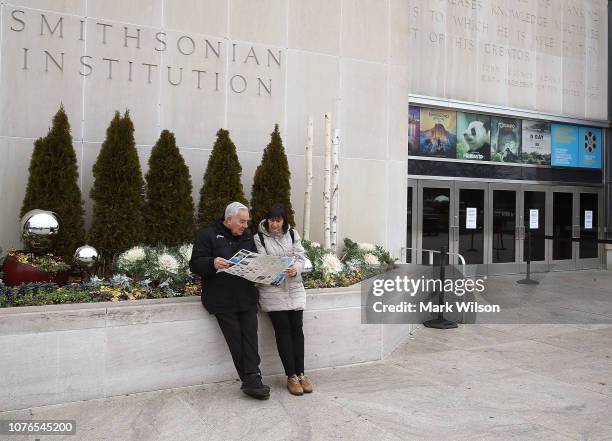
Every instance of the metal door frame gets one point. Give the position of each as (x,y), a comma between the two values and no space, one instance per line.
(471,269)
(413,183)
(566,264)
(505,267)
(519,265)
(539,266)
(426,183)
(595,262)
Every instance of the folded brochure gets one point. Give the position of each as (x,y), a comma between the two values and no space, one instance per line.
(259,268)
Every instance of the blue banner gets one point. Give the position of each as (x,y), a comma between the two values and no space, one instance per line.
(589,147)
(564,146)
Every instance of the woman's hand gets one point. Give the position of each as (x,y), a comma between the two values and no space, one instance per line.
(291,271)
(221,263)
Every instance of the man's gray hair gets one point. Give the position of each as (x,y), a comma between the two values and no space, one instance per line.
(232,209)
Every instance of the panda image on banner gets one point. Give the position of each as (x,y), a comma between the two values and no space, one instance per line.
(477,136)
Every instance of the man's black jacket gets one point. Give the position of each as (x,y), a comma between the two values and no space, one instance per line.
(222,292)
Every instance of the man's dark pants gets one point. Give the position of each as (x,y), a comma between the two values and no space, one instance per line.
(240,332)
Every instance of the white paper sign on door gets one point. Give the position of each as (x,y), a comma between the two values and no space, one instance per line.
(470,218)
(588,219)
(533,219)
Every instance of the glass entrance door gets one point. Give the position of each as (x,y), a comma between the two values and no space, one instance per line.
(434,219)
(588,228)
(490,225)
(504,243)
(562,252)
(470,229)
(534,242)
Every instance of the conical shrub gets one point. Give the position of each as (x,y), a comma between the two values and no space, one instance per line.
(117,192)
(53,185)
(272,181)
(222,183)
(168,212)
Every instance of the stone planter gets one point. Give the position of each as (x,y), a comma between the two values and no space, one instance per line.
(63,353)
(17,273)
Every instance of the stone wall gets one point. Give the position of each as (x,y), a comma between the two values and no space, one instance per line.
(62,353)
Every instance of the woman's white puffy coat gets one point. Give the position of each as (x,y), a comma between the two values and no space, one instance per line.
(290,294)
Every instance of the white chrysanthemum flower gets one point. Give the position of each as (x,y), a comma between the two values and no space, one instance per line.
(134,255)
(366,246)
(168,263)
(315,244)
(185,251)
(371,259)
(331,264)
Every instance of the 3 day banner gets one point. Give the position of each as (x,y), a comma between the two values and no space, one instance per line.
(535,148)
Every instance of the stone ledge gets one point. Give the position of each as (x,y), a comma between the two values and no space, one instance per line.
(61,353)
(65,317)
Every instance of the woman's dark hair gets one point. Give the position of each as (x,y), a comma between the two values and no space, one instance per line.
(277,210)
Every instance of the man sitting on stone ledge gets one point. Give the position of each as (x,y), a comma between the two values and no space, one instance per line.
(232,299)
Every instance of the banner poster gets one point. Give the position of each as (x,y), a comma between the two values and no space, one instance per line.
(564,145)
(414,121)
(589,147)
(505,139)
(535,148)
(473,136)
(438,133)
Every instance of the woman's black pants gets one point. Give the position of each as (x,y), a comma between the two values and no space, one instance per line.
(289,339)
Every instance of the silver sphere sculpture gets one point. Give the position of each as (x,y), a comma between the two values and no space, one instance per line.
(86,256)
(39,228)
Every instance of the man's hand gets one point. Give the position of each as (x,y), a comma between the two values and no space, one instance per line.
(221,263)
(291,271)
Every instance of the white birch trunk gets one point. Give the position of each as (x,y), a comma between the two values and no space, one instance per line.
(308,193)
(334,190)
(327,183)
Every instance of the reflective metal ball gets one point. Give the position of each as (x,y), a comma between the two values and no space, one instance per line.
(86,256)
(39,228)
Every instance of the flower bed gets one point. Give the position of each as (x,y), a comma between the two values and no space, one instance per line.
(145,272)
(96,290)
(140,273)
(359,261)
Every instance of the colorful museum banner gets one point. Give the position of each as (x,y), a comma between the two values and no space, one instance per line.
(535,147)
(438,133)
(505,139)
(473,136)
(414,130)
(564,145)
(589,147)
